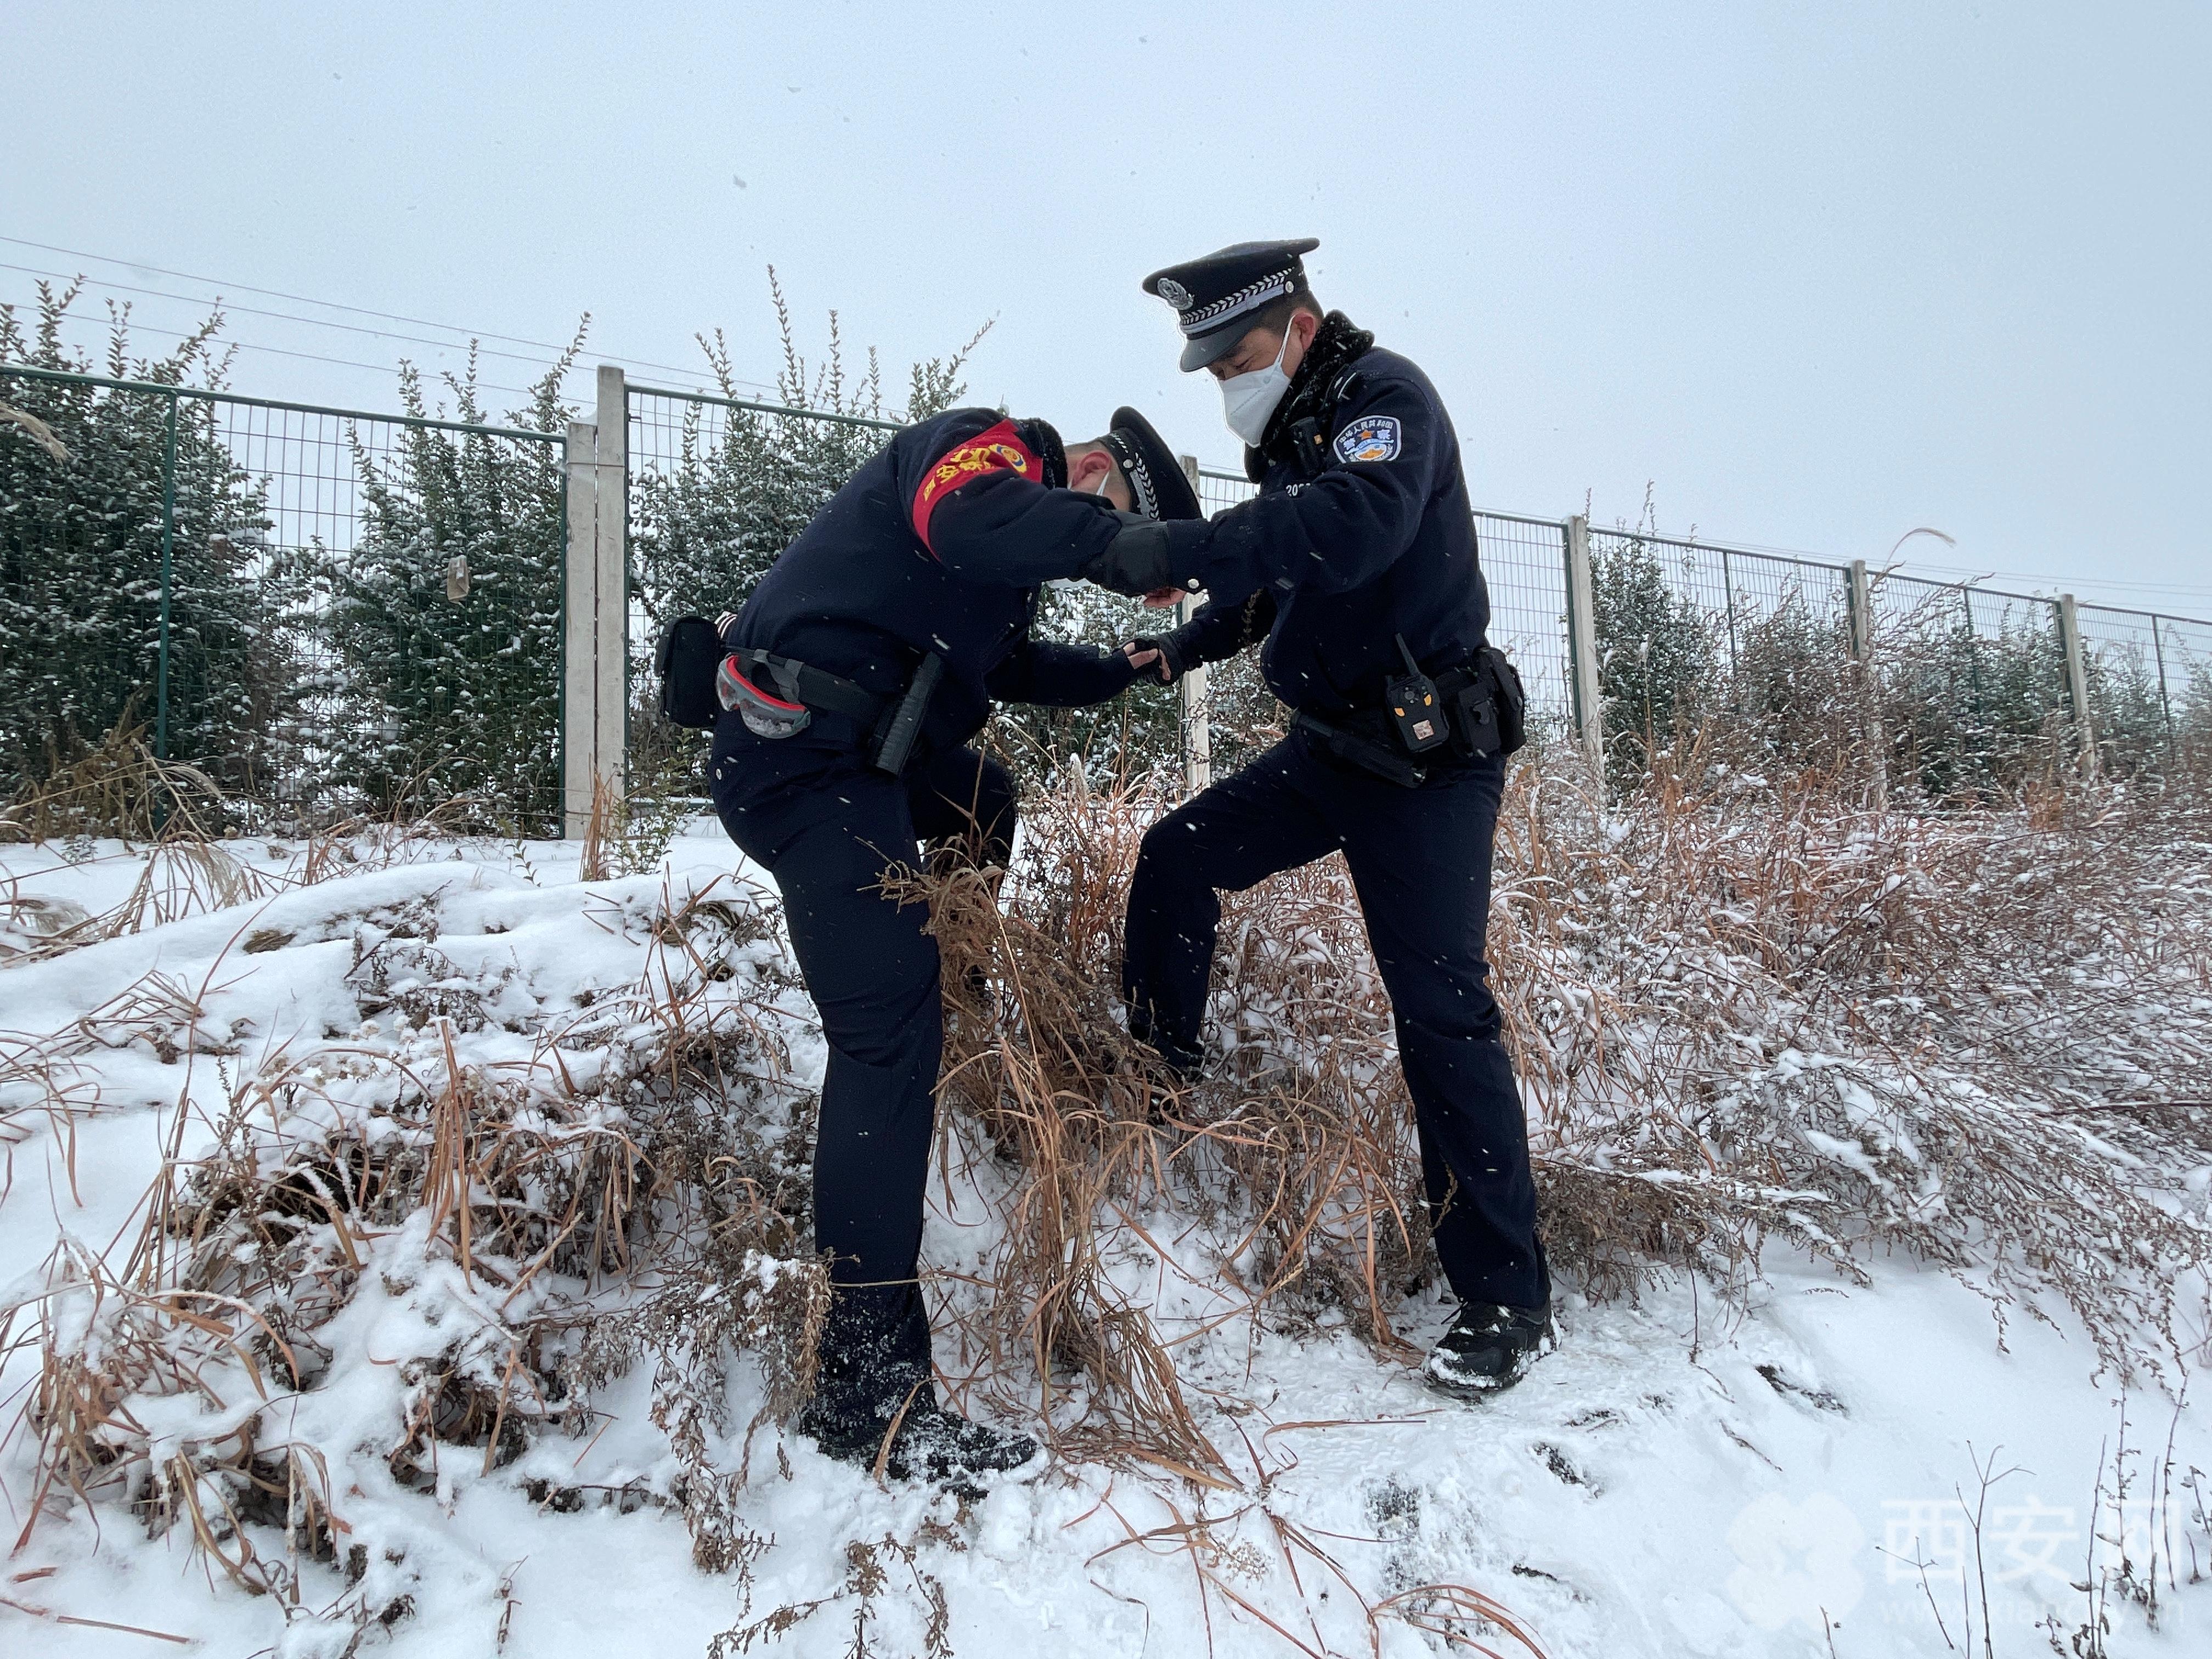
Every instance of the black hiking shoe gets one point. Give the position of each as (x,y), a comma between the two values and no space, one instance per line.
(932,1444)
(1489,1347)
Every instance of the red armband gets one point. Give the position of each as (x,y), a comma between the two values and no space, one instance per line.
(997,449)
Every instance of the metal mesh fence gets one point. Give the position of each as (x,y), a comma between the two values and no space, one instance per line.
(1722,599)
(1218,490)
(2185,658)
(1686,632)
(327,612)
(1524,563)
(330,611)
(718,487)
(2139,714)
(2185,661)
(1972,682)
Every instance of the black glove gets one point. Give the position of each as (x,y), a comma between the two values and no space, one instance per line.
(1137,561)
(1171,656)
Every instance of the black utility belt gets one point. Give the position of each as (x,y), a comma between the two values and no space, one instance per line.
(891,724)
(1463,713)
(778,696)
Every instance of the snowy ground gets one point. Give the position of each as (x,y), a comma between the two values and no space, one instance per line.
(1680,1478)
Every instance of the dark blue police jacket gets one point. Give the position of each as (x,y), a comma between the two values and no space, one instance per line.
(1380,543)
(938,544)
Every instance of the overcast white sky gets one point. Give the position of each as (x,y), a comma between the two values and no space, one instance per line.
(1822,273)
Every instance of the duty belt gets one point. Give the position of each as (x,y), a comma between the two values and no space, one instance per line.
(1367,738)
(892,723)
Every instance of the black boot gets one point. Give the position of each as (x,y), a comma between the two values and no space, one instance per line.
(930,1443)
(874,1376)
(1490,1346)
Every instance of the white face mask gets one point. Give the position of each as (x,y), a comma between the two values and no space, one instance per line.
(1248,399)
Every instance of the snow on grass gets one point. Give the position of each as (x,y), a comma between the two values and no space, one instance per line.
(411,1259)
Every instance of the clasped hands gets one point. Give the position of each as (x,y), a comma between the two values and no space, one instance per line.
(1137,564)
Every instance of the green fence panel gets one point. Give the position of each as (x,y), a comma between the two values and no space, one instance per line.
(339,613)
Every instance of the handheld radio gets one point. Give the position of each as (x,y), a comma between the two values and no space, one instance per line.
(1414,706)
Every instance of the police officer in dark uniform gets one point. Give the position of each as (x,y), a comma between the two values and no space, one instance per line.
(1356,564)
(863,661)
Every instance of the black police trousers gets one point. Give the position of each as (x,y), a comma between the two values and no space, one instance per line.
(826,825)
(1420,864)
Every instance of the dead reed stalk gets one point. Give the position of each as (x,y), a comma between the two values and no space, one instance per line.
(1743,1011)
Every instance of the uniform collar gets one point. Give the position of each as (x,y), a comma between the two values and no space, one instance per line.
(1337,344)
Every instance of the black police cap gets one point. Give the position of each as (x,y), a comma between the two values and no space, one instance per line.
(1215,297)
(1157,481)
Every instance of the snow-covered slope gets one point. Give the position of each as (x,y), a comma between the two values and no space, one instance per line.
(1802,1474)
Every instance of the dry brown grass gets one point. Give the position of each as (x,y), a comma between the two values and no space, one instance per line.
(535,1193)
(1743,1013)
(115,788)
(1299,1149)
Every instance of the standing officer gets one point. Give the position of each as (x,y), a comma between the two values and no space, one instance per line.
(1357,564)
(862,664)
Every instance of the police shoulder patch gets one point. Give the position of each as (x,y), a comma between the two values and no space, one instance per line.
(1370,438)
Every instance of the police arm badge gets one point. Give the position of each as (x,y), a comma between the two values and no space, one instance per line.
(995,449)
(1370,438)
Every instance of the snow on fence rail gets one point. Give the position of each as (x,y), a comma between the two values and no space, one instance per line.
(329,608)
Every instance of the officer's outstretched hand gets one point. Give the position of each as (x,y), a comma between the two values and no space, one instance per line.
(1156,651)
(1135,562)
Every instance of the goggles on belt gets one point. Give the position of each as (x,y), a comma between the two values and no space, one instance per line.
(764,716)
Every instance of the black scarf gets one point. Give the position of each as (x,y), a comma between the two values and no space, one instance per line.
(1336,346)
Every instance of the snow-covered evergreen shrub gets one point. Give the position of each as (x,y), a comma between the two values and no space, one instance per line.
(1655,654)
(1788,668)
(80,561)
(2127,710)
(2192,717)
(440,697)
(1970,714)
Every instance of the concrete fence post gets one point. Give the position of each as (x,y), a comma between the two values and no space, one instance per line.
(2077,683)
(1861,619)
(595,607)
(2164,702)
(578,656)
(610,589)
(1581,648)
(1196,720)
